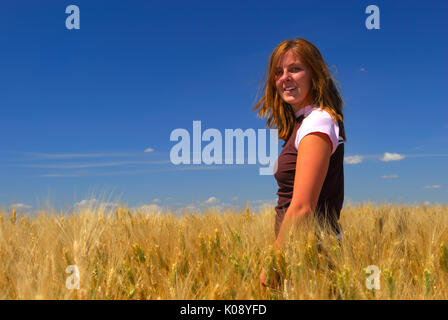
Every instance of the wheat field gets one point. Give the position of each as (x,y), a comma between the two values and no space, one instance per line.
(125,254)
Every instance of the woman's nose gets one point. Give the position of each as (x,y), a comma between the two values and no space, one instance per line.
(285,76)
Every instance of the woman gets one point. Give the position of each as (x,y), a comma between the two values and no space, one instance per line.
(301,100)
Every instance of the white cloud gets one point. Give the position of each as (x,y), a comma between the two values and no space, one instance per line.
(156,200)
(201,206)
(91,165)
(434,186)
(203,167)
(149,150)
(85,202)
(72,155)
(190,207)
(353,159)
(234,198)
(263,204)
(149,208)
(20,206)
(95,204)
(196,207)
(213,203)
(392,157)
(387,156)
(57,175)
(392,176)
(211,200)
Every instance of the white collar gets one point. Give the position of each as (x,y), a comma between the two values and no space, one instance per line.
(305,110)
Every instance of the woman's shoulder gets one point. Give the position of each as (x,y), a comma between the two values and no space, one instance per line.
(318,115)
(318,120)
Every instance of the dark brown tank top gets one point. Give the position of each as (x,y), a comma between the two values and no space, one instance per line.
(331,197)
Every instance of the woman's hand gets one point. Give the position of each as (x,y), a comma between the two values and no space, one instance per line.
(263,278)
(275,278)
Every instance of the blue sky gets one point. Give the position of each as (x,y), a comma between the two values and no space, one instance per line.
(80,107)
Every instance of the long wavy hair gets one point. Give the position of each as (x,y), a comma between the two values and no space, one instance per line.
(323,90)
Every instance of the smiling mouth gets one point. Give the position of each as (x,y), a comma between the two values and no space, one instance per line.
(289,89)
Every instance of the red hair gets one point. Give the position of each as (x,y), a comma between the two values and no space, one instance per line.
(323,91)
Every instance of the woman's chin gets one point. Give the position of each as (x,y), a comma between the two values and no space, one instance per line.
(292,101)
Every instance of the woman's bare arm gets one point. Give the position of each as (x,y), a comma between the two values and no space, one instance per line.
(313,159)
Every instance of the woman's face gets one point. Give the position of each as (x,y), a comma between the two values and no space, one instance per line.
(293,80)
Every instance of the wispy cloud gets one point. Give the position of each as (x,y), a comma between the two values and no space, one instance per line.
(61,175)
(114,173)
(20,206)
(40,155)
(392,176)
(211,200)
(353,159)
(435,186)
(207,167)
(262,204)
(95,204)
(392,157)
(387,157)
(211,203)
(177,208)
(428,155)
(90,165)
(148,208)
(149,150)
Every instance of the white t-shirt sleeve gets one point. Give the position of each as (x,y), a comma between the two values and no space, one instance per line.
(319,121)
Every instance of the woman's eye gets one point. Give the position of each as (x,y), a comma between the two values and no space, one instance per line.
(295,69)
(278,73)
